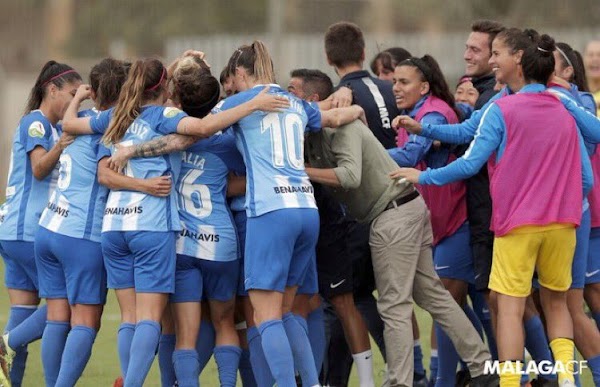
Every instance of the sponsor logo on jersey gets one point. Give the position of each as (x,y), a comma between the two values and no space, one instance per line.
(36,129)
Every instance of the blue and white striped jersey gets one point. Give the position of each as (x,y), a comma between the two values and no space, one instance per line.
(77,204)
(137,211)
(273,148)
(208,230)
(26,197)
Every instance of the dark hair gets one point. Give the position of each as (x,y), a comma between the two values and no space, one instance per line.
(54,73)
(255,58)
(344,44)
(389,58)
(430,72)
(517,39)
(194,87)
(314,81)
(464,79)
(538,60)
(146,81)
(490,27)
(570,57)
(224,75)
(106,79)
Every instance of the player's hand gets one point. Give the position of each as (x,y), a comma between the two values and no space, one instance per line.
(120,157)
(197,54)
(83,92)
(559,81)
(342,97)
(269,102)
(406,174)
(407,123)
(158,186)
(64,141)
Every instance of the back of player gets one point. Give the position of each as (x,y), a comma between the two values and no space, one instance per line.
(282,227)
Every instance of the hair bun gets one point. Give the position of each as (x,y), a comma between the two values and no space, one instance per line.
(546,45)
(532,34)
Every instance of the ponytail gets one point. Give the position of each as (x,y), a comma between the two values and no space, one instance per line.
(146,81)
(538,60)
(52,73)
(255,59)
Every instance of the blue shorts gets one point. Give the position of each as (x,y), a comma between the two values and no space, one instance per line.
(199,279)
(580,258)
(453,257)
(240,226)
(19,265)
(592,274)
(144,260)
(75,272)
(279,247)
(310,285)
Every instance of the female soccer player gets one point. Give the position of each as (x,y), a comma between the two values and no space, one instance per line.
(384,63)
(33,173)
(138,239)
(421,90)
(533,230)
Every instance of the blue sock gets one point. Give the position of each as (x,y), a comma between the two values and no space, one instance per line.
(474,319)
(245,367)
(143,348)
(296,330)
(228,361)
(489,336)
(166,346)
(596,317)
(536,342)
(316,335)
(278,352)
(447,357)
(418,358)
(30,329)
(433,367)
(53,344)
(594,366)
(18,314)
(205,343)
(78,350)
(260,367)
(124,337)
(187,368)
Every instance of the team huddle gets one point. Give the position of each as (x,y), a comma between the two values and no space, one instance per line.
(256,228)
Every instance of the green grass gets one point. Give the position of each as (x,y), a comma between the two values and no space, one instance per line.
(103,367)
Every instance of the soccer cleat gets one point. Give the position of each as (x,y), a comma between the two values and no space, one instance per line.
(6,359)
(542,382)
(485,381)
(420,380)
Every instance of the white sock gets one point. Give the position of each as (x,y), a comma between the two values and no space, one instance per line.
(364,366)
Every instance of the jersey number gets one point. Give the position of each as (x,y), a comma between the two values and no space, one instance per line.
(195,198)
(287,139)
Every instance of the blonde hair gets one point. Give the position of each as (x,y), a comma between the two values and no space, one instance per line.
(255,59)
(144,83)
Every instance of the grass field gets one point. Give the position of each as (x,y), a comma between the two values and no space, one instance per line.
(103,367)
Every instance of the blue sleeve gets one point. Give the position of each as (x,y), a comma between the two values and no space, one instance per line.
(314,116)
(230,154)
(169,118)
(99,123)
(102,152)
(588,102)
(588,123)
(466,110)
(38,132)
(489,137)
(459,133)
(416,147)
(587,175)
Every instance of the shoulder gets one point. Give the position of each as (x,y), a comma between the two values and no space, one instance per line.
(235,100)
(36,124)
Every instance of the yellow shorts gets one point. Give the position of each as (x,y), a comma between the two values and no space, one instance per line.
(546,249)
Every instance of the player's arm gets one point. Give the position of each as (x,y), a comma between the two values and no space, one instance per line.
(72,124)
(589,124)
(43,162)
(340,116)
(236,185)
(157,186)
(415,149)
(325,176)
(342,97)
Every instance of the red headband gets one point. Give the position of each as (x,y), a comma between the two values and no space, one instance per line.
(162,76)
(58,76)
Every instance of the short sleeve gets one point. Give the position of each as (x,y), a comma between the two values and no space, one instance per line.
(314,116)
(169,120)
(102,152)
(99,123)
(38,132)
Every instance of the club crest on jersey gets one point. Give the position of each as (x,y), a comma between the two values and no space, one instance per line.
(36,129)
(171,112)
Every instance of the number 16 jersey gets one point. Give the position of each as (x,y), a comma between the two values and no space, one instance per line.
(272,145)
